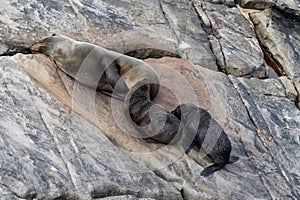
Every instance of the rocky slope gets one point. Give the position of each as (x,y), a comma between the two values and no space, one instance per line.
(61,140)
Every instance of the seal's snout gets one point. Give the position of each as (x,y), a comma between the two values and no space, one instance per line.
(37,47)
(41,46)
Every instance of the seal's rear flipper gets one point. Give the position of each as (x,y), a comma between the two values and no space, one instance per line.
(113,95)
(211,169)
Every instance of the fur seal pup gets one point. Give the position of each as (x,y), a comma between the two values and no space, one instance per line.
(93,62)
(164,126)
(210,137)
(153,120)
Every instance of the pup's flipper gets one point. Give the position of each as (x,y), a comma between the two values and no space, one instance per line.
(211,169)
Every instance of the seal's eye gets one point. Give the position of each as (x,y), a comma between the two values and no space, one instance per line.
(54,34)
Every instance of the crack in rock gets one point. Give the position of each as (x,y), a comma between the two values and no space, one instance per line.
(258,121)
(11,50)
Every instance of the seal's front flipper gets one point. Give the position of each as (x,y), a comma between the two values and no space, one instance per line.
(211,169)
(113,95)
(190,147)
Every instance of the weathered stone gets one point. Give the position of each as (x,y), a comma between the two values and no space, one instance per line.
(287,6)
(187,28)
(281,38)
(290,89)
(233,42)
(217,49)
(127,197)
(50,152)
(277,121)
(229,3)
(3,48)
(297,86)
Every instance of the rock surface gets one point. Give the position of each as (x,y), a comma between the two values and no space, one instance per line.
(232,41)
(290,7)
(60,140)
(281,38)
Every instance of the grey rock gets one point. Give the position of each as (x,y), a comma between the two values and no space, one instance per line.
(276,119)
(297,86)
(3,48)
(50,152)
(229,3)
(281,38)
(192,39)
(233,41)
(126,197)
(290,89)
(290,7)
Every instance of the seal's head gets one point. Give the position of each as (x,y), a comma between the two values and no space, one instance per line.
(55,46)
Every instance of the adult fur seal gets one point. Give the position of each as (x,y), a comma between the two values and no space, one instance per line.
(210,137)
(153,120)
(117,71)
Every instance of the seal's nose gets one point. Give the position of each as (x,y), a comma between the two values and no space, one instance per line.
(54,34)
(36,48)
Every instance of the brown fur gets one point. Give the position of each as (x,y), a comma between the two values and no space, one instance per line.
(197,125)
(102,67)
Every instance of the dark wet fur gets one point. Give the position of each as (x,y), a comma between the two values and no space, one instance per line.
(197,122)
(198,118)
(138,104)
